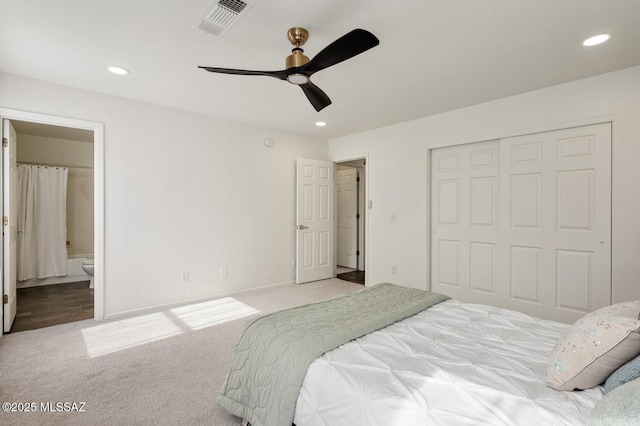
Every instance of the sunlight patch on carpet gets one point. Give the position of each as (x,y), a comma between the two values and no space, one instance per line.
(212,312)
(131,332)
(127,333)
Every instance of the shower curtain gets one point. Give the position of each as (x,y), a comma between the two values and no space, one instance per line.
(42,222)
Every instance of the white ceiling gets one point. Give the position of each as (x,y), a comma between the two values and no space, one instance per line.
(434,56)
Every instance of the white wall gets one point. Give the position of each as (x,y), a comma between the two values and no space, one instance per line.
(183,193)
(398,169)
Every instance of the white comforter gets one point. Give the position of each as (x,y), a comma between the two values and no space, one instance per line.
(453,364)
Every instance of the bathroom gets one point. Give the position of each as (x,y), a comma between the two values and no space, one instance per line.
(69,296)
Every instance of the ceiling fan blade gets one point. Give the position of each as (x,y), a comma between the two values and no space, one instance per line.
(347,46)
(282,75)
(316,96)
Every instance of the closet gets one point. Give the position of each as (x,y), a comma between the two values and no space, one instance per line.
(525,222)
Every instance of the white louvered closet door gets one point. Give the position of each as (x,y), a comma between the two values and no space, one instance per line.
(525,222)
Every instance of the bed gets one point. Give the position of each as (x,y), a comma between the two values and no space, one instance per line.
(446,363)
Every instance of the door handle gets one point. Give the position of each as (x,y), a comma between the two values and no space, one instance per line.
(301,227)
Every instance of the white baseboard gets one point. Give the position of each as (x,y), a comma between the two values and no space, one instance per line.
(155,308)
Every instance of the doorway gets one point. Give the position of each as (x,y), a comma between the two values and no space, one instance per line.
(63,155)
(350,220)
(94,131)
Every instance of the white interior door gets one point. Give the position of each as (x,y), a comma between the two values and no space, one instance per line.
(10,230)
(346,217)
(556,232)
(465,222)
(314,216)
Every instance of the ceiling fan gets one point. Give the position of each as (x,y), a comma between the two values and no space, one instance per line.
(300,68)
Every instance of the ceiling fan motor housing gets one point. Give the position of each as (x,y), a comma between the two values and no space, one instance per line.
(297,36)
(297,58)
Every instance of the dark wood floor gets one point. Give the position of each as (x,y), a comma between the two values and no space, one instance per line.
(52,305)
(353,276)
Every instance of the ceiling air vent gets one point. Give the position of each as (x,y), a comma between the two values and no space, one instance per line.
(223,15)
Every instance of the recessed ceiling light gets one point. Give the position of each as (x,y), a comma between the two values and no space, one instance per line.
(595,40)
(118,70)
(320,123)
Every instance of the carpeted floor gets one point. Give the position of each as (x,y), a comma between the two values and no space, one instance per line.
(159,368)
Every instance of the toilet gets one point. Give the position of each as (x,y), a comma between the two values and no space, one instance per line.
(87,266)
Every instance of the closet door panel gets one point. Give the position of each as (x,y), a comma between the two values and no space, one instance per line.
(465,221)
(559,200)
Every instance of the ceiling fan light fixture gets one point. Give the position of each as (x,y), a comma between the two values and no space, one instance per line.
(298,79)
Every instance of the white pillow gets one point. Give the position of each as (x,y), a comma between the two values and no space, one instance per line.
(595,346)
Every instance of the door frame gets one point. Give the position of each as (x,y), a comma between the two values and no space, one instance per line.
(365,212)
(98,188)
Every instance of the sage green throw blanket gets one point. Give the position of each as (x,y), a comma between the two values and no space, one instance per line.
(275,350)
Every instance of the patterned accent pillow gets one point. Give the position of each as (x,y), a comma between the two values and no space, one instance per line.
(628,372)
(595,346)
